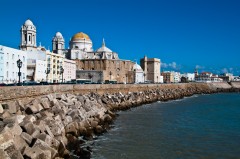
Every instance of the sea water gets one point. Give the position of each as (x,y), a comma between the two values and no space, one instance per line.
(198,127)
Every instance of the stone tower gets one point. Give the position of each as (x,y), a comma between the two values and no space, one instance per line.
(28,36)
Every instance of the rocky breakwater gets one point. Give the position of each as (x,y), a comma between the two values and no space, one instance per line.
(51,126)
(59,124)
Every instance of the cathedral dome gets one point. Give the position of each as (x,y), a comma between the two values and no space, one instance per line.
(80,36)
(28,22)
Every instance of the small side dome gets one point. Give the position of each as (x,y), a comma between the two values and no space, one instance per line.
(59,35)
(28,22)
(104,48)
(137,67)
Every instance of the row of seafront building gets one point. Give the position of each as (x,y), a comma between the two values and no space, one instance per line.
(80,61)
(176,77)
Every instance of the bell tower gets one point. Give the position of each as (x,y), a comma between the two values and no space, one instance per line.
(58,43)
(28,36)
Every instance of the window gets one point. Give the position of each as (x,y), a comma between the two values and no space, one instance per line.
(7,64)
(23,58)
(13,56)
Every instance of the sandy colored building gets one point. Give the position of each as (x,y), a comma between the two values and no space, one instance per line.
(168,77)
(151,68)
(112,70)
(54,63)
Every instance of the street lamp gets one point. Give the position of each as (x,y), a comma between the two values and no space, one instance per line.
(110,73)
(61,72)
(144,75)
(47,72)
(19,65)
(90,76)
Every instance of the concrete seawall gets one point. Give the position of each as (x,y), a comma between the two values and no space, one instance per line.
(13,93)
(52,121)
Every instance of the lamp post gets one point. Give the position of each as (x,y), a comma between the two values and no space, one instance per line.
(61,72)
(110,73)
(19,65)
(47,72)
(90,76)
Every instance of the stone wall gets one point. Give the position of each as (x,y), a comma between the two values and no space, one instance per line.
(10,93)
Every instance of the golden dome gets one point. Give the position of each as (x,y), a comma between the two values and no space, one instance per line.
(79,36)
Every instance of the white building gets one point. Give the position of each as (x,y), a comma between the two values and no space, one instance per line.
(69,67)
(176,77)
(189,76)
(207,77)
(161,79)
(8,64)
(138,73)
(36,62)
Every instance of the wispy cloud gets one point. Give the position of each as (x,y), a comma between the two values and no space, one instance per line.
(172,65)
(225,70)
(199,67)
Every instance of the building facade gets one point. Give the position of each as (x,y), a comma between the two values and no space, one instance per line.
(54,64)
(177,77)
(8,65)
(151,68)
(207,77)
(92,75)
(168,77)
(189,76)
(69,67)
(112,70)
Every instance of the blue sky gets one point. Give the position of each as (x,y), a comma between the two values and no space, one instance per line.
(184,34)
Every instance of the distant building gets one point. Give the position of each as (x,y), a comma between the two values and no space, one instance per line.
(176,77)
(236,78)
(168,77)
(189,76)
(227,77)
(69,67)
(151,68)
(8,64)
(207,77)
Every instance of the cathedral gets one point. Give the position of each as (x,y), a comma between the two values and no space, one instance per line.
(101,64)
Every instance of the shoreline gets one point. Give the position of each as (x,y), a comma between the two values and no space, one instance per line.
(53,125)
